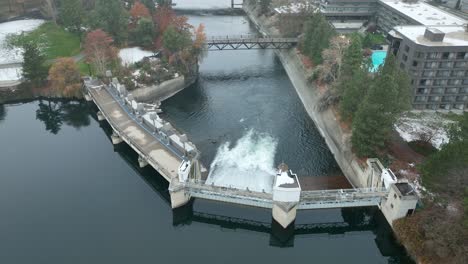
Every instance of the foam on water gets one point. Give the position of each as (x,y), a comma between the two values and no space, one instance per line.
(248,164)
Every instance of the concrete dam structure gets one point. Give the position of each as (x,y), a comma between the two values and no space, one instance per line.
(173,156)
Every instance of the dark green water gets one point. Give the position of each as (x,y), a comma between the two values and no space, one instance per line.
(71,197)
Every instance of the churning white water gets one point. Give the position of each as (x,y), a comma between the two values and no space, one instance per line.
(248,164)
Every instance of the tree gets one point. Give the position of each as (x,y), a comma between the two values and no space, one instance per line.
(110,16)
(34,70)
(143,34)
(353,91)
(446,167)
(317,34)
(49,10)
(373,121)
(99,51)
(150,5)
(264,6)
(139,11)
(198,47)
(175,40)
(71,15)
(352,57)
(64,77)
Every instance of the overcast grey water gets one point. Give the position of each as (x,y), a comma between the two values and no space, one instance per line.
(67,195)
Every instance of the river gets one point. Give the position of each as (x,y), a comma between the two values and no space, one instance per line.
(67,195)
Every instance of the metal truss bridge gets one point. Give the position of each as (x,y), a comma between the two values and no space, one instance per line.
(248,42)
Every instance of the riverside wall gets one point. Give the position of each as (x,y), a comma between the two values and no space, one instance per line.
(329,127)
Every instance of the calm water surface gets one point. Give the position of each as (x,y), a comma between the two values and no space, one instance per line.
(67,195)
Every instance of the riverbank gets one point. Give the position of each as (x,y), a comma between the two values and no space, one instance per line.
(337,140)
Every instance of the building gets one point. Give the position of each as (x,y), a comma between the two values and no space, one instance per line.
(391,13)
(345,10)
(436,59)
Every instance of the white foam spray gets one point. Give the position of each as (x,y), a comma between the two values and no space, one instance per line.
(248,164)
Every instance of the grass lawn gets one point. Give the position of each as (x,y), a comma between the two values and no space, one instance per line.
(83,67)
(56,41)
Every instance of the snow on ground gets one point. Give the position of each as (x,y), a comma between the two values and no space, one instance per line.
(429,125)
(132,55)
(15,27)
(10,74)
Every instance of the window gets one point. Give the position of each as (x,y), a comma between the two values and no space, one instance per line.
(460,64)
(391,205)
(405,58)
(434,98)
(454,82)
(420,54)
(422,82)
(429,73)
(451,90)
(402,65)
(406,48)
(422,90)
(437,90)
(461,55)
(410,212)
(431,106)
(448,99)
(440,82)
(443,73)
(446,64)
(464,90)
(415,63)
(445,55)
(444,106)
(418,99)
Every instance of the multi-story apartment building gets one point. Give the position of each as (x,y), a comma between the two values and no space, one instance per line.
(391,13)
(436,59)
(341,10)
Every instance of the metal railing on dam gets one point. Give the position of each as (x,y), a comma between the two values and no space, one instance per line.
(153,149)
(308,199)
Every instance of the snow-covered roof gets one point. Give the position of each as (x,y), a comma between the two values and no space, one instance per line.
(424,13)
(293,8)
(454,35)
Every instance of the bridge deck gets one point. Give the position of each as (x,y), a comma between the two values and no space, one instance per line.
(143,142)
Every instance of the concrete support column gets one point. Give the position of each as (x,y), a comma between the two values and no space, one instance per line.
(142,162)
(400,202)
(179,195)
(284,213)
(116,139)
(100,116)
(88,97)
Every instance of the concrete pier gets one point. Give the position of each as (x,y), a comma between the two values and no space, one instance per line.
(100,116)
(284,213)
(116,139)
(179,195)
(142,162)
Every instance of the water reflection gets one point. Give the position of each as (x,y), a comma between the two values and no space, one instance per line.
(2,112)
(55,113)
(225,216)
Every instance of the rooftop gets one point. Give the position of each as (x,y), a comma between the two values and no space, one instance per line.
(454,35)
(424,13)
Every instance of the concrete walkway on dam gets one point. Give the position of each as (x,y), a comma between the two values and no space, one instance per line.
(158,155)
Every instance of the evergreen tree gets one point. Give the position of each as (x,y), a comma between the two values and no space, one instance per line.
(175,40)
(353,90)
(143,34)
(149,4)
(110,16)
(374,118)
(71,15)
(264,6)
(34,70)
(352,58)
(317,36)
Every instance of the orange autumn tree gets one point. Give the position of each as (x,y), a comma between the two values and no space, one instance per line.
(138,11)
(64,77)
(99,51)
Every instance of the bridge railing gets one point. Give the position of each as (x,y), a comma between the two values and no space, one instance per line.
(251,37)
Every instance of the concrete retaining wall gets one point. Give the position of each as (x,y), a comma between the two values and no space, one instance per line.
(160,92)
(338,142)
